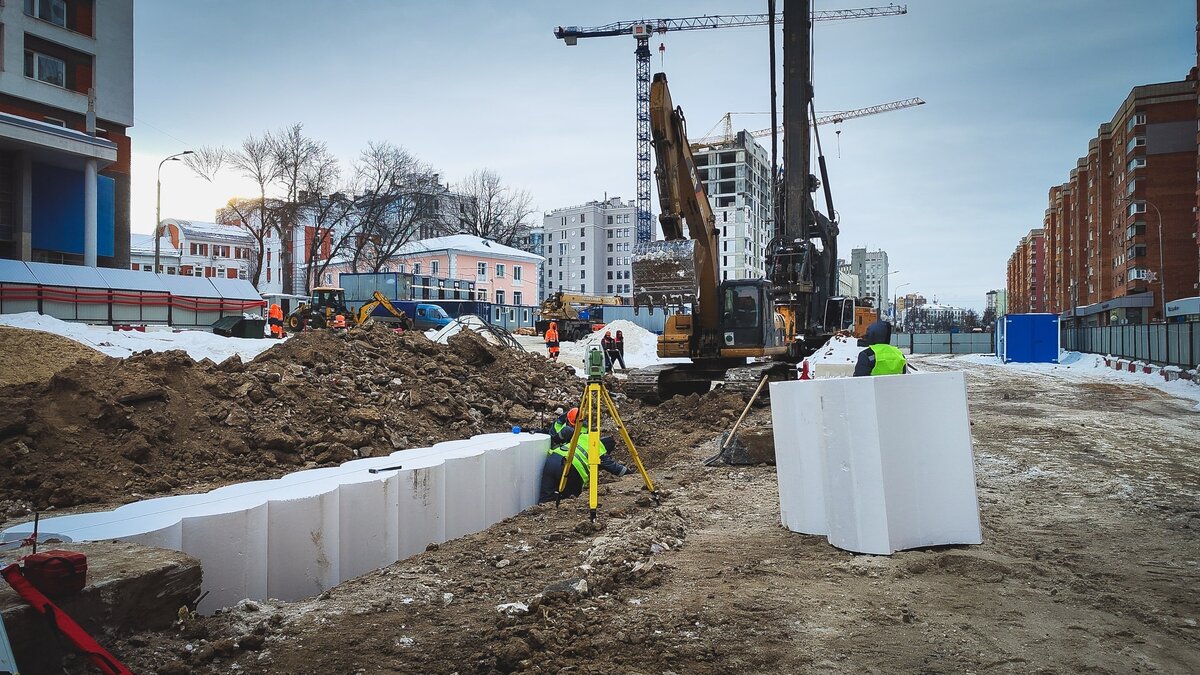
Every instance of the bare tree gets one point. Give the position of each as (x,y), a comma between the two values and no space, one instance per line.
(207,162)
(396,193)
(494,210)
(305,170)
(254,217)
(255,160)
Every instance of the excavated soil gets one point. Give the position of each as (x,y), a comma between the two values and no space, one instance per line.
(1089,565)
(33,356)
(116,430)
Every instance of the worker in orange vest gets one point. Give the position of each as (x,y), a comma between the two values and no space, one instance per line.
(339,322)
(552,340)
(275,320)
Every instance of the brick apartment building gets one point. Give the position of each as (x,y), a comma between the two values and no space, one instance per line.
(1027,274)
(1124,221)
(64,171)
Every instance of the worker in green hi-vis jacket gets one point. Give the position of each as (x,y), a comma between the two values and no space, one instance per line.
(879,357)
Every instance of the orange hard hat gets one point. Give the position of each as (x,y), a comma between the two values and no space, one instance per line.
(571,415)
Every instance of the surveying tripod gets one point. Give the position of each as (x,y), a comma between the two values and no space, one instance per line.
(589,407)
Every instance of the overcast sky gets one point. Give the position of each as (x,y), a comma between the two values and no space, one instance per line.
(1014,91)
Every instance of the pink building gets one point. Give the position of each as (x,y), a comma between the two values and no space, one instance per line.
(502,274)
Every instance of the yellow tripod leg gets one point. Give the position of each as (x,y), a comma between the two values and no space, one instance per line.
(567,465)
(594,393)
(612,410)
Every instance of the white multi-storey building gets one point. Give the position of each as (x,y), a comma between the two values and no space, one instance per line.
(736,177)
(588,248)
(871,268)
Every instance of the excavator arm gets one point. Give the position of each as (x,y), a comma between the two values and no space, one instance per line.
(682,269)
(364,312)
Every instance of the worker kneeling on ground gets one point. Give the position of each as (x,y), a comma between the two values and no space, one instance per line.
(879,357)
(557,455)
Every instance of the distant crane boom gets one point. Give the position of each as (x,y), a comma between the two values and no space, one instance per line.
(641,30)
(831,118)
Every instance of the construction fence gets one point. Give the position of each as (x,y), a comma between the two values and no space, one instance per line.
(1174,344)
(945,343)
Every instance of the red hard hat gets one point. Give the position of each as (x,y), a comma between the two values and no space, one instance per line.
(571,415)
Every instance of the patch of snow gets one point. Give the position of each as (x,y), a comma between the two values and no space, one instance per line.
(836,358)
(1082,367)
(122,343)
(470,322)
(641,347)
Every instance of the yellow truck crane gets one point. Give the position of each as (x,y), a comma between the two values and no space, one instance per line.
(563,309)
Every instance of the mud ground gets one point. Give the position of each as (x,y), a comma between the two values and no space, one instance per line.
(1090,564)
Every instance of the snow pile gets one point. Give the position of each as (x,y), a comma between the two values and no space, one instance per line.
(836,358)
(198,344)
(467,321)
(1080,367)
(641,346)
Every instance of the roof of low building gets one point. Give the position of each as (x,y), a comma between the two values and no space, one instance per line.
(143,244)
(197,229)
(466,243)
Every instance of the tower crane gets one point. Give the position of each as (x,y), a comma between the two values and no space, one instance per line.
(641,30)
(726,123)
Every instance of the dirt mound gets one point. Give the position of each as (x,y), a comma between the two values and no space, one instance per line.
(119,429)
(33,356)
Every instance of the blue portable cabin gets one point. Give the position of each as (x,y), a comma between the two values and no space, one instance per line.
(1028,338)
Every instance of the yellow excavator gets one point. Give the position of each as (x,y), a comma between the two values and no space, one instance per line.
(562,309)
(326,302)
(716,324)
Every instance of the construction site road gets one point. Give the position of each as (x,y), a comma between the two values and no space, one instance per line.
(1090,563)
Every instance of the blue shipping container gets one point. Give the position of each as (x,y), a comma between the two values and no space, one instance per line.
(1029,338)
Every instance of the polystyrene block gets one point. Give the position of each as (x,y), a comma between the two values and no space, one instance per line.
(857,461)
(305,532)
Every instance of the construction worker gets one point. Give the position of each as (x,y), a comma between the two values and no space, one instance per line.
(275,320)
(609,345)
(557,455)
(339,322)
(560,430)
(552,340)
(879,357)
(619,345)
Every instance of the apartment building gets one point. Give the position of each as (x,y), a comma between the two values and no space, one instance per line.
(997,302)
(588,248)
(871,268)
(907,302)
(66,104)
(736,176)
(1027,274)
(1120,234)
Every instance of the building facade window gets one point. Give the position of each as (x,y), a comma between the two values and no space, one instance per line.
(499,297)
(54,11)
(517,297)
(45,68)
(516,275)
(416,268)
(481,269)
(499,270)
(433,266)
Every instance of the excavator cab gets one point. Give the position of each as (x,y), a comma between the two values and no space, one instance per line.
(748,317)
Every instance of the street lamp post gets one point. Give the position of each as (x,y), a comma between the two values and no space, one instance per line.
(896,298)
(1162,271)
(158,207)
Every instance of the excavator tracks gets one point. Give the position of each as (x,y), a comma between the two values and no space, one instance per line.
(656,384)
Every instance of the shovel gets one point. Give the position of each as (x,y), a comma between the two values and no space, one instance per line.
(728,449)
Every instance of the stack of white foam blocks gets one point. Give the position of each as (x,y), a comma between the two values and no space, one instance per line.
(877,464)
(298,535)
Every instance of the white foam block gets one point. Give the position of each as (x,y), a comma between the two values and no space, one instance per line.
(295,536)
(877,464)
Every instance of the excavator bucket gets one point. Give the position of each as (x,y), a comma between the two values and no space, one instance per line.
(665,274)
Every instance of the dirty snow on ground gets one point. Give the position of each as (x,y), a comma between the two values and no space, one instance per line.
(441,335)
(1079,367)
(198,344)
(836,358)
